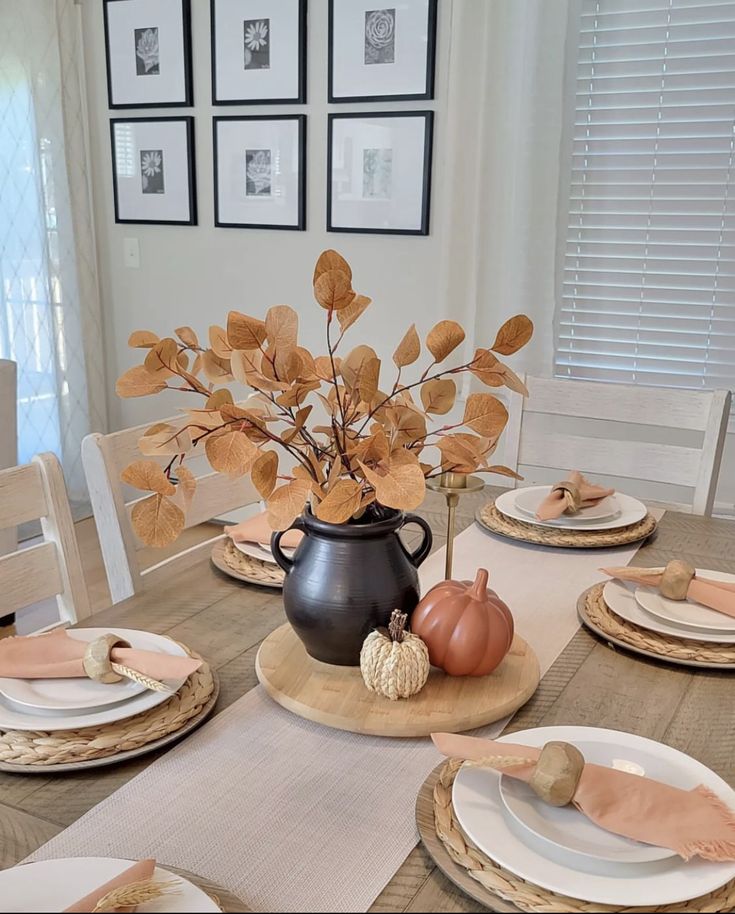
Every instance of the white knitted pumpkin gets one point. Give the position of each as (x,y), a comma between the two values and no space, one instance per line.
(395,664)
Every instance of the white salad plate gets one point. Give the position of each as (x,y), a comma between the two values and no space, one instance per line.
(14,716)
(258,551)
(687,613)
(54,885)
(566,827)
(621,598)
(631,510)
(529,500)
(484,819)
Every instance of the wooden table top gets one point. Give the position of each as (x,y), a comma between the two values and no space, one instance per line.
(589,684)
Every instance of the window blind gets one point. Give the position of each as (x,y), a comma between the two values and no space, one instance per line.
(647,240)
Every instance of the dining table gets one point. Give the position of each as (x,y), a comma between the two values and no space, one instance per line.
(590,683)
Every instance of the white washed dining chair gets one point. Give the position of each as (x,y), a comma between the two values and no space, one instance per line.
(52,567)
(656,441)
(9,437)
(104,458)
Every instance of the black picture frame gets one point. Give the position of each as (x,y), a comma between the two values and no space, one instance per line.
(300,225)
(428,93)
(427,171)
(299,99)
(191,161)
(188,101)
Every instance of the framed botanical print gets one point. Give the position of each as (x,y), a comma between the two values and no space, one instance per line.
(153,170)
(258,52)
(260,171)
(379,172)
(148,49)
(380,50)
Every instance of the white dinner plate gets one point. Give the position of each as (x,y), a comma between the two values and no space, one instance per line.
(631,511)
(528,501)
(54,885)
(482,816)
(79,694)
(19,717)
(621,599)
(687,613)
(566,827)
(258,551)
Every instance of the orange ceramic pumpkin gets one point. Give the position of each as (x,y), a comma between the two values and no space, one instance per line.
(466,627)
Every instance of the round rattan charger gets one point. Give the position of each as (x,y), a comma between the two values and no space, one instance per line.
(597,616)
(228,558)
(492,885)
(496,522)
(32,751)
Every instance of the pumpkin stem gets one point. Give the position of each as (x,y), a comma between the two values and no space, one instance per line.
(478,591)
(397,625)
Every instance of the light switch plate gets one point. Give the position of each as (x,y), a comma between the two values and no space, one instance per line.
(131,253)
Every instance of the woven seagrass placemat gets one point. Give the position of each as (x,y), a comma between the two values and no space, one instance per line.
(492,885)
(228,558)
(597,616)
(43,752)
(496,522)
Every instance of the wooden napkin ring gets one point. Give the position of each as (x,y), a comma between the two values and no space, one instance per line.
(557,773)
(571,494)
(676,579)
(97,663)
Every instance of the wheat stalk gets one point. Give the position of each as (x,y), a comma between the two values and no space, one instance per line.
(134,893)
(500,761)
(153,684)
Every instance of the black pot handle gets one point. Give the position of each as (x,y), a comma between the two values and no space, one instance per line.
(418,555)
(283,560)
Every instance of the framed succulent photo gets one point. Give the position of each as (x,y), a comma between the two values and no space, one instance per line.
(381,51)
(260,171)
(153,170)
(258,52)
(148,51)
(379,172)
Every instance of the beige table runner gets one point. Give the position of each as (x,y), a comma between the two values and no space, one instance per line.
(293,816)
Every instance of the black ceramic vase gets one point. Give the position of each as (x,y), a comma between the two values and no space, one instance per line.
(346,579)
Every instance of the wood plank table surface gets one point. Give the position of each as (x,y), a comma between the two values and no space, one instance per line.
(589,684)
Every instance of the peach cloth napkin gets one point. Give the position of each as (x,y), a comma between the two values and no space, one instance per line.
(258,530)
(689,822)
(57,656)
(715,594)
(138,872)
(557,502)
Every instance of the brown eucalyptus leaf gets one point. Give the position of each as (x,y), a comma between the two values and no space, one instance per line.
(244,363)
(335,471)
(286,503)
(341,502)
(287,365)
(513,382)
(333,290)
(187,337)
(187,484)
(231,452)
(148,476)
(514,334)
(399,484)
(219,342)
(501,471)
(139,382)
(301,416)
(182,360)
(443,339)
(245,332)
(485,415)
(409,349)
(323,367)
(157,521)
(164,440)
(331,260)
(347,316)
(206,418)
(361,371)
(216,368)
(142,339)
(264,473)
(374,449)
(308,369)
(487,367)
(196,365)
(410,425)
(438,395)
(282,327)
(296,393)
(161,358)
(461,453)
(219,398)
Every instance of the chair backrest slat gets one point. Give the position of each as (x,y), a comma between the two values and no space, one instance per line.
(22,497)
(29,576)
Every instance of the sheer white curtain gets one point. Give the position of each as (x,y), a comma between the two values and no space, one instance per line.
(49,304)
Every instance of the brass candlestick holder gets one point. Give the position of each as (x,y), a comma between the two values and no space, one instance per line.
(452,486)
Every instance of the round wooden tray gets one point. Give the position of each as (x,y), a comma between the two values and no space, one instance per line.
(337,697)
(228,902)
(252,571)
